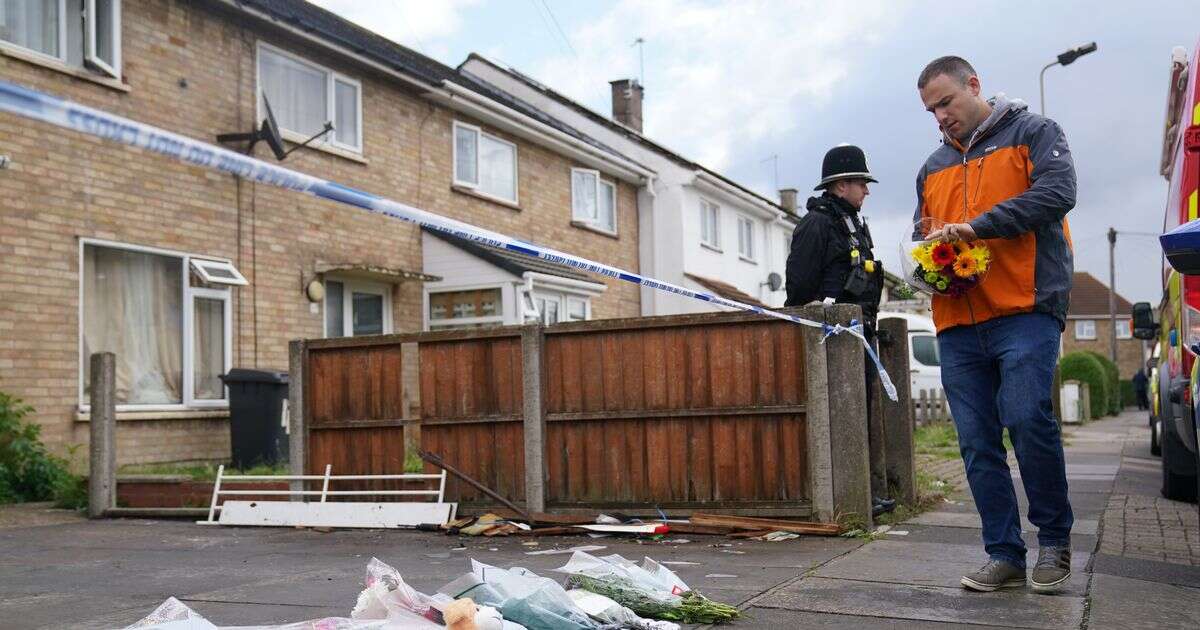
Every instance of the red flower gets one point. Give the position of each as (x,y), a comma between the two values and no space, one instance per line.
(943,254)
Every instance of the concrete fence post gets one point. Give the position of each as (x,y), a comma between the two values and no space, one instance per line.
(297,420)
(836,417)
(898,416)
(848,442)
(817,412)
(102,476)
(533,379)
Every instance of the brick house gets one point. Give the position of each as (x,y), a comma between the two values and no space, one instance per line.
(108,248)
(1089,326)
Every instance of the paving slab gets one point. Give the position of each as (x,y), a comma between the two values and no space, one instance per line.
(1080,543)
(1009,609)
(1147,570)
(781,618)
(971,520)
(1130,604)
(928,564)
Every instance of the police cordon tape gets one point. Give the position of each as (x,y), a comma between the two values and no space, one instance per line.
(28,103)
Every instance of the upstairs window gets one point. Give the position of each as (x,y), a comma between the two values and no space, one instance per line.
(1085,329)
(304,96)
(485,163)
(84,33)
(593,200)
(745,238)
(710,224)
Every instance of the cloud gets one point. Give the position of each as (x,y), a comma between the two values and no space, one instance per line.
(416,23)
(720,75)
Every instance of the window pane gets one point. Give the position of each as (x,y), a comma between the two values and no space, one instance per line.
(104,31)
(209,347)
(608,205)
(549,310)
(583,195)
(368,314)
(346,109)
(1123,329)
(334,321)
(925,350)
(133,307)
(496,168)
(465,145)
(576,309)
(705,225)
(296,92)
(31,23)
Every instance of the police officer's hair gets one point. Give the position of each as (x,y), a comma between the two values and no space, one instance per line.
(951,66)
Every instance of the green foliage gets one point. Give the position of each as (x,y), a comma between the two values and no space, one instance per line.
(413,464)
(1128,395)
(204,471)
(1086,368)
(1113,381)
(28,472)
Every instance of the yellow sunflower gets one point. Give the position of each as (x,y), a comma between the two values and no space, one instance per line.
(923,254)
(982,257)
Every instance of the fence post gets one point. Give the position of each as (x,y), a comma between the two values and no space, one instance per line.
(532,379)
(877,436)
(297,424)
(820,456)
(848,442)
(898,416)
(102,476)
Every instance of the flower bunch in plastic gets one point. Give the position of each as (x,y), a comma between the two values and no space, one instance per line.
(942,268)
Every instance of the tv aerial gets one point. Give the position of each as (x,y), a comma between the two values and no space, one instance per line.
(269,131)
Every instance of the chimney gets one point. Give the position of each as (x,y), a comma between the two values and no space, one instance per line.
(627,103)
(787,199)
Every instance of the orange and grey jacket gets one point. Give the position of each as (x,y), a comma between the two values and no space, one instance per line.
(1014,182)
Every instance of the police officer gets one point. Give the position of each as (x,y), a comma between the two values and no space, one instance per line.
(831,258)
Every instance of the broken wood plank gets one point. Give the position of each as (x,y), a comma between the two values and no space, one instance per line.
(751,534)
(761,524)
(549,519)
(551,531)
(693,528)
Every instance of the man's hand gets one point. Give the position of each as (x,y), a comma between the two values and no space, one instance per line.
(954,232)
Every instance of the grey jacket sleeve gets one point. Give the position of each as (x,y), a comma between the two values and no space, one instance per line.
(1051,193)
(919,213)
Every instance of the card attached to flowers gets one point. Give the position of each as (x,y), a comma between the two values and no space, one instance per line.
(941,268)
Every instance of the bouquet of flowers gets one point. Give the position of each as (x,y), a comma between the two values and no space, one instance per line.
(943,268)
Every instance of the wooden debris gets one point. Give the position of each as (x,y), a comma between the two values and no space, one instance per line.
(751,534)
(767,524)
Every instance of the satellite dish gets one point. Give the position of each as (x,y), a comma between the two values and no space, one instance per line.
(774,281)
(269,131)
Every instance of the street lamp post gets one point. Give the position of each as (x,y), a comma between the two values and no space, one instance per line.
(1064,59)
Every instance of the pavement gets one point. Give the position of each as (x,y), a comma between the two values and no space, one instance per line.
(1135,555)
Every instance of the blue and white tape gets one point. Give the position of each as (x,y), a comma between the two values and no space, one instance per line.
(28,103)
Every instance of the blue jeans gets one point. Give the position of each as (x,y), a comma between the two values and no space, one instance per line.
(999,374)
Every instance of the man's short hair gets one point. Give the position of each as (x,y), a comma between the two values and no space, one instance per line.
(954,67)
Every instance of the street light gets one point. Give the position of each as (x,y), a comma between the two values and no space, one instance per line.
(1064,59)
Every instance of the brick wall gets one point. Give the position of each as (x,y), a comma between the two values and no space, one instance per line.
(1129,351)
(63,186)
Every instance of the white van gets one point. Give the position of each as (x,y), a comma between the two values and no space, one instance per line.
(925,365)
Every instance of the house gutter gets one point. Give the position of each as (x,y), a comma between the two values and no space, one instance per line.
(593,288)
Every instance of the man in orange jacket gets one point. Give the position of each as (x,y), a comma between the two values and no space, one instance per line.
(1003,175)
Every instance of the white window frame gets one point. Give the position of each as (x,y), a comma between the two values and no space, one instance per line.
(90,54)
(712,240)
(89,40)
(189,317)
(746,249)
(188,305)
(563,298)
(331,78)
(448,323)
(601,186)
(1083,325)
(349,287)
(474,186)
(204,268)
(1127,333)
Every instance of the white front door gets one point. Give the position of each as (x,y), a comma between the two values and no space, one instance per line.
(354,308)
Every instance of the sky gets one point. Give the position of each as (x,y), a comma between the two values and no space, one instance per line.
(760,90)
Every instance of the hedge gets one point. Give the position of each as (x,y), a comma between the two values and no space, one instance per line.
(1114,382)
(1085,368)
(1128,396)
